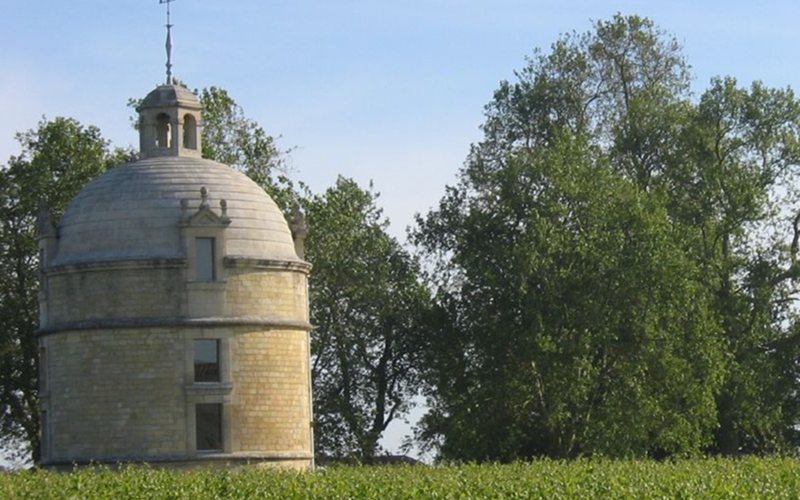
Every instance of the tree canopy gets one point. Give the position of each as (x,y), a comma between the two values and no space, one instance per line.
(615,268)
(369,308)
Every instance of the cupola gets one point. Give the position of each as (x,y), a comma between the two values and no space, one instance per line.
(170,123)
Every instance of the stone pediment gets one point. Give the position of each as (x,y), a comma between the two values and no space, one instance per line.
(205,216)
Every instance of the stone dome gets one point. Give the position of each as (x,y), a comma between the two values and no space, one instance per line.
(170,95)
(134,211)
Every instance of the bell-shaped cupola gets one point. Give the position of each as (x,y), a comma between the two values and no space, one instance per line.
(170,123)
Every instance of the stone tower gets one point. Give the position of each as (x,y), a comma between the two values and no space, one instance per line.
(174,311)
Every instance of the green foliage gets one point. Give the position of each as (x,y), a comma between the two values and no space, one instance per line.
(772,478)
(616,266)
(368,307)
(231,138)
(57,159)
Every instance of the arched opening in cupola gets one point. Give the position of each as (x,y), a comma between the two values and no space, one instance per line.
(163,134)
(189,132)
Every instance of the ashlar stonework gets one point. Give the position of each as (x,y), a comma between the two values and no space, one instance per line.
(150,260)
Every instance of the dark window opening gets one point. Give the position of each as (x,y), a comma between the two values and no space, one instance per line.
(204,253)
(206,360)
(163,131)
(208,423)
(189,132)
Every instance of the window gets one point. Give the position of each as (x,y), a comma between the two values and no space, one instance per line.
(208,423)
(189,132)
(204,253)
(162,131)
(206,360)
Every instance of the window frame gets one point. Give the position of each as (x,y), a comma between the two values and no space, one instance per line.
(220,428)
(218,363)
(208,261)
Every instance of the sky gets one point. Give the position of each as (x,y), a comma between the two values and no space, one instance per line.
(388,92)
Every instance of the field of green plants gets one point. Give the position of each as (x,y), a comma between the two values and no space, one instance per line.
(708,478)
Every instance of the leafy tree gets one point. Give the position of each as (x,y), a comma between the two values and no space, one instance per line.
(57,159)
(231,138)
(573,325)
(368,307)
(740,190)
(614,267)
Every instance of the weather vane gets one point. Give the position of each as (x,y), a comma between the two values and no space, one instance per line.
(169,42)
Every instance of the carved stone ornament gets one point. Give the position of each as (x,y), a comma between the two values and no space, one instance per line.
(299,229)
(205,215)
(44,221)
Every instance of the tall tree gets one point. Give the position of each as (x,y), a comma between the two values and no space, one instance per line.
(740,189)
(57,159)
(572,321)
(615,266)
(367,306)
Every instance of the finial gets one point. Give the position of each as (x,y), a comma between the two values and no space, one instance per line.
(299,229)
(44,221)
(203,197)
(169,42)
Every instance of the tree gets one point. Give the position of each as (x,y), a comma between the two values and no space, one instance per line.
(740,188)
(368,307)
(572,323)
(56,160)
(231,138)
(612,272)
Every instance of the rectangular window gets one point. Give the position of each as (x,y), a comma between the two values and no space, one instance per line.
(204,253)
(208,421)
(206,360)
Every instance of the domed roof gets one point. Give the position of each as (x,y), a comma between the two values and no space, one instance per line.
(134,211)
(169,95)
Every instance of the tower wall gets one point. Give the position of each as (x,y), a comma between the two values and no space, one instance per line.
(118,378)
(174,318)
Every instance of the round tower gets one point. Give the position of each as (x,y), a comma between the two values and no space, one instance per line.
(174,311)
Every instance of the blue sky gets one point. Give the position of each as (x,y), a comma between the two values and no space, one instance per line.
(375,90)
(388,91)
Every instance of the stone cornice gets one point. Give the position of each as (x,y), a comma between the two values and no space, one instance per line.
(116,265)
(298,266)
(231,261)
(122,323)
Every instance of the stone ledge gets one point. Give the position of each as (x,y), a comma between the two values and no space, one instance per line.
(121,264)
(120,323)
(208,389)
(188,460)
(298,266)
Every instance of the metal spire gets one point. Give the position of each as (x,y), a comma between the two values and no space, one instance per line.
(169,42)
